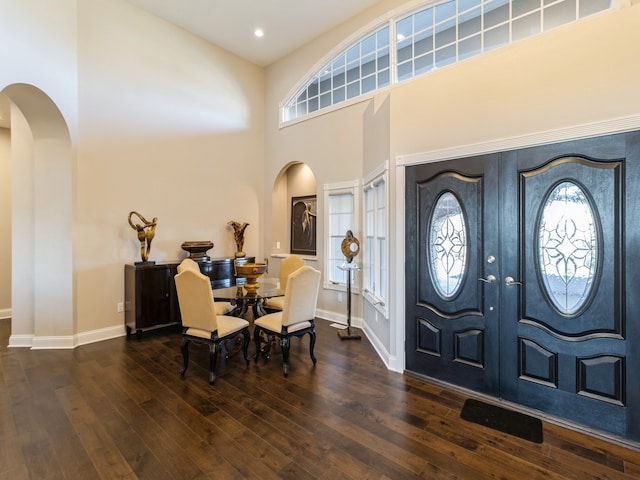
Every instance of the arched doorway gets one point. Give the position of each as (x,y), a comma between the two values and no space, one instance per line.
(295,180)
(42,221)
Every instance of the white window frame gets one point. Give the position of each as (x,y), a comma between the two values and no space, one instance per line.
(341,188)
(377,297)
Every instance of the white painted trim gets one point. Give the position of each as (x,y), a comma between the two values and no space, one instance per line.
(390,361)
(336,317)
(66,342)
(20,341)
(99,335)
(399,316)
(347,185)
(376,176)
(379,171)
(618,125)
(5,313)
(53,343)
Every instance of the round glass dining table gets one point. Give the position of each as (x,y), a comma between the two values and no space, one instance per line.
(249,300)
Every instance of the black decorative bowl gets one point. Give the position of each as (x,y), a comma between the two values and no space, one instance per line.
(198,250)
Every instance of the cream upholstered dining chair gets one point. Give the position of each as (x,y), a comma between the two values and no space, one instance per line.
(201,324)
(222,308)
(297,316)
(288,265)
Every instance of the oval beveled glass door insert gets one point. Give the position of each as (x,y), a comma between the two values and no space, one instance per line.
(448,248)
(568,247)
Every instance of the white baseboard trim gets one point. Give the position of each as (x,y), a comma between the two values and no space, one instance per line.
(66,342)
(20,341)
(338,318)
(389,360)
(99,335)
(53,343)
(5,313)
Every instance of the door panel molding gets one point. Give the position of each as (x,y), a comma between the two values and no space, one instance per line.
(601,182)
(468,299)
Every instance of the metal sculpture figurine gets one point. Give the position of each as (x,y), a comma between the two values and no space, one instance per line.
(146,233)
(350,246)
(238,236)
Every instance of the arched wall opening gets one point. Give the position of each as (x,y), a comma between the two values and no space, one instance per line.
(42,287)
(295,180)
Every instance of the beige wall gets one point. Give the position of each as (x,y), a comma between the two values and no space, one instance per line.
(580,74)
(566,77)
(161,122)
(5,222)
(171,127)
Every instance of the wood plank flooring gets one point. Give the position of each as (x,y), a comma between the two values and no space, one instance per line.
(119,409)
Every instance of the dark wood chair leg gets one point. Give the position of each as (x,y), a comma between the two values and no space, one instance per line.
(285,345)
(185,355)
(312,344)
(245,345)
(256,339)
(213,357)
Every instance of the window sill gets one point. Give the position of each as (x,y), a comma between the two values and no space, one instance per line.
(376,302)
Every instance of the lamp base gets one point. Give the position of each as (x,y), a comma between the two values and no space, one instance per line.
(345,334)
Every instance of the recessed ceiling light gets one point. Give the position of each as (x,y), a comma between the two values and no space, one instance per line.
(258,32)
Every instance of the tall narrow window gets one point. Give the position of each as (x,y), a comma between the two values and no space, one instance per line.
(375,248)
(341,215)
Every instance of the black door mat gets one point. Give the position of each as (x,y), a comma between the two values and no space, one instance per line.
(503,420)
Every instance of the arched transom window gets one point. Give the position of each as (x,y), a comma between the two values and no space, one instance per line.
(433,36)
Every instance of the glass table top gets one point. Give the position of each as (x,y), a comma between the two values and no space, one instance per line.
(268,288)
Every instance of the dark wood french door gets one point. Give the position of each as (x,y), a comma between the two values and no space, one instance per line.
(523,275)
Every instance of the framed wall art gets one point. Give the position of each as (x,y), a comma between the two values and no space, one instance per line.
(303,225)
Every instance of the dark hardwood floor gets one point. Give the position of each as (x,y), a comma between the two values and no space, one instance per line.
(119,409)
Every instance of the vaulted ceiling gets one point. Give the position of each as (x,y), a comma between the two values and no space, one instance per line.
(230,24)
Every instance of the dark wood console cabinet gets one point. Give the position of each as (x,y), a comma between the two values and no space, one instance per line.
(150,298)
